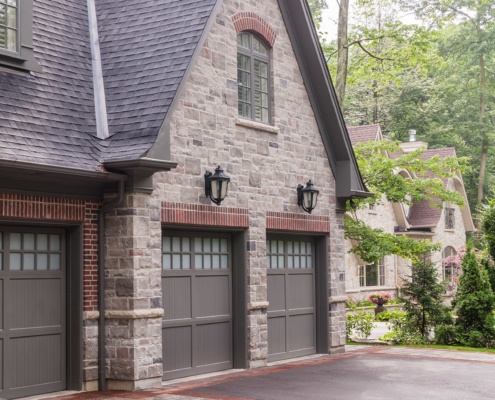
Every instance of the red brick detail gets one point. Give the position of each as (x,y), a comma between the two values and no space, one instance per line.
(248,21)
(36,207)
(202,215)
(297,222)
(90,257)
(15,206)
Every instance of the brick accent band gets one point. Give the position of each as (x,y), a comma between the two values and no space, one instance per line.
(297,222)
(202,215)
(37,207)
(248,21)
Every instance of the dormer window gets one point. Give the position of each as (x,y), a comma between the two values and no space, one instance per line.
(16,35)
(253,77)
(9,25)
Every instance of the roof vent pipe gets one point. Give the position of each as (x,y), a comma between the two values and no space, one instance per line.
(412,135)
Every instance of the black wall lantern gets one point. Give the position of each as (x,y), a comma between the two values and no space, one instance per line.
(216,185)
(307,196)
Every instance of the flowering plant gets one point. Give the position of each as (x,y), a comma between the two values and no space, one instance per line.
(379,297)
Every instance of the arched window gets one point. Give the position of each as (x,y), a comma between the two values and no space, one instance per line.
(449,262)
(253,77)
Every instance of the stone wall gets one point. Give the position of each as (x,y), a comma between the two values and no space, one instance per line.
(133,294)
(265,163)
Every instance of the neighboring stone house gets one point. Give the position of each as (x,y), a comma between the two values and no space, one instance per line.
(117,269)
(446,225)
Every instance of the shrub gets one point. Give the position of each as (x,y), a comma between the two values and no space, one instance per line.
(474,339)
(388,315)
(364,303)
(446,334)
(397,300)
(360,324)
(474,303)
(401,332)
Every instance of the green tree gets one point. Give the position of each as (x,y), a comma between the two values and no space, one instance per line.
(474,303)
(379,172)
(488,228)
(472,42)
(423,298)
(317,7)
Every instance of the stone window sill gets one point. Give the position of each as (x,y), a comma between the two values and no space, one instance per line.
(257,125)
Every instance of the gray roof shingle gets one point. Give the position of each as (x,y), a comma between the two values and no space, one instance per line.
(144,60)
(48,117)
(146,46)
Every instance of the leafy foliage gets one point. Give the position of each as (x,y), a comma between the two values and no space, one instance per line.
(360,323)
(379,163)
(372,244)
(401,332)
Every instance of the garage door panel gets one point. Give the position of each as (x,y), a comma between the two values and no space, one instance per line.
(301,328)
(276,292)
(37,361)
(300,293)
(277,336)
(177,348)
(213,344)
(32,311)
(2,362)
(292,298)
(35,303)
(177,297)
(197,297)
(1,305)
(213,293)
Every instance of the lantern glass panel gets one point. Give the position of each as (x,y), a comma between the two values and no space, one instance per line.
(224,186)
(314,199)
(214,188)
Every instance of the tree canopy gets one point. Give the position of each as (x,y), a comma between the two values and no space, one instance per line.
(424,66)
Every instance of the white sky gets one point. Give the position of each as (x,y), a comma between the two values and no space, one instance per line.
(329,20)
(331,14)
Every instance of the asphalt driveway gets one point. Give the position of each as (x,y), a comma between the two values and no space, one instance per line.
(364,373)
(370,375)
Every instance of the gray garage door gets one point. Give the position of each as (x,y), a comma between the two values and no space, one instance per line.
(291,294)
(196,284)
(32,312)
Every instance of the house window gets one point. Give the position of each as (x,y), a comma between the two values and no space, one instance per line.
(8,25)
(253,83)
(16,35)
(372,274)
(449,218)
(448,263)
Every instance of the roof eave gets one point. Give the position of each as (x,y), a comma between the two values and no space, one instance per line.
(316,77)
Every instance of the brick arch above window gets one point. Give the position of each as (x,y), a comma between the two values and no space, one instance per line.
(248,21)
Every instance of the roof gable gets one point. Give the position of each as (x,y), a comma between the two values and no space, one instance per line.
(144,61)
(364,133)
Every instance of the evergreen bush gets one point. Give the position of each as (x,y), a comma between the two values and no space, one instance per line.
(423,298)
(474,303)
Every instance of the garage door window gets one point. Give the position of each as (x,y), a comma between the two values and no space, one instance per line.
(34,252)
(204,253)
(294,254)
